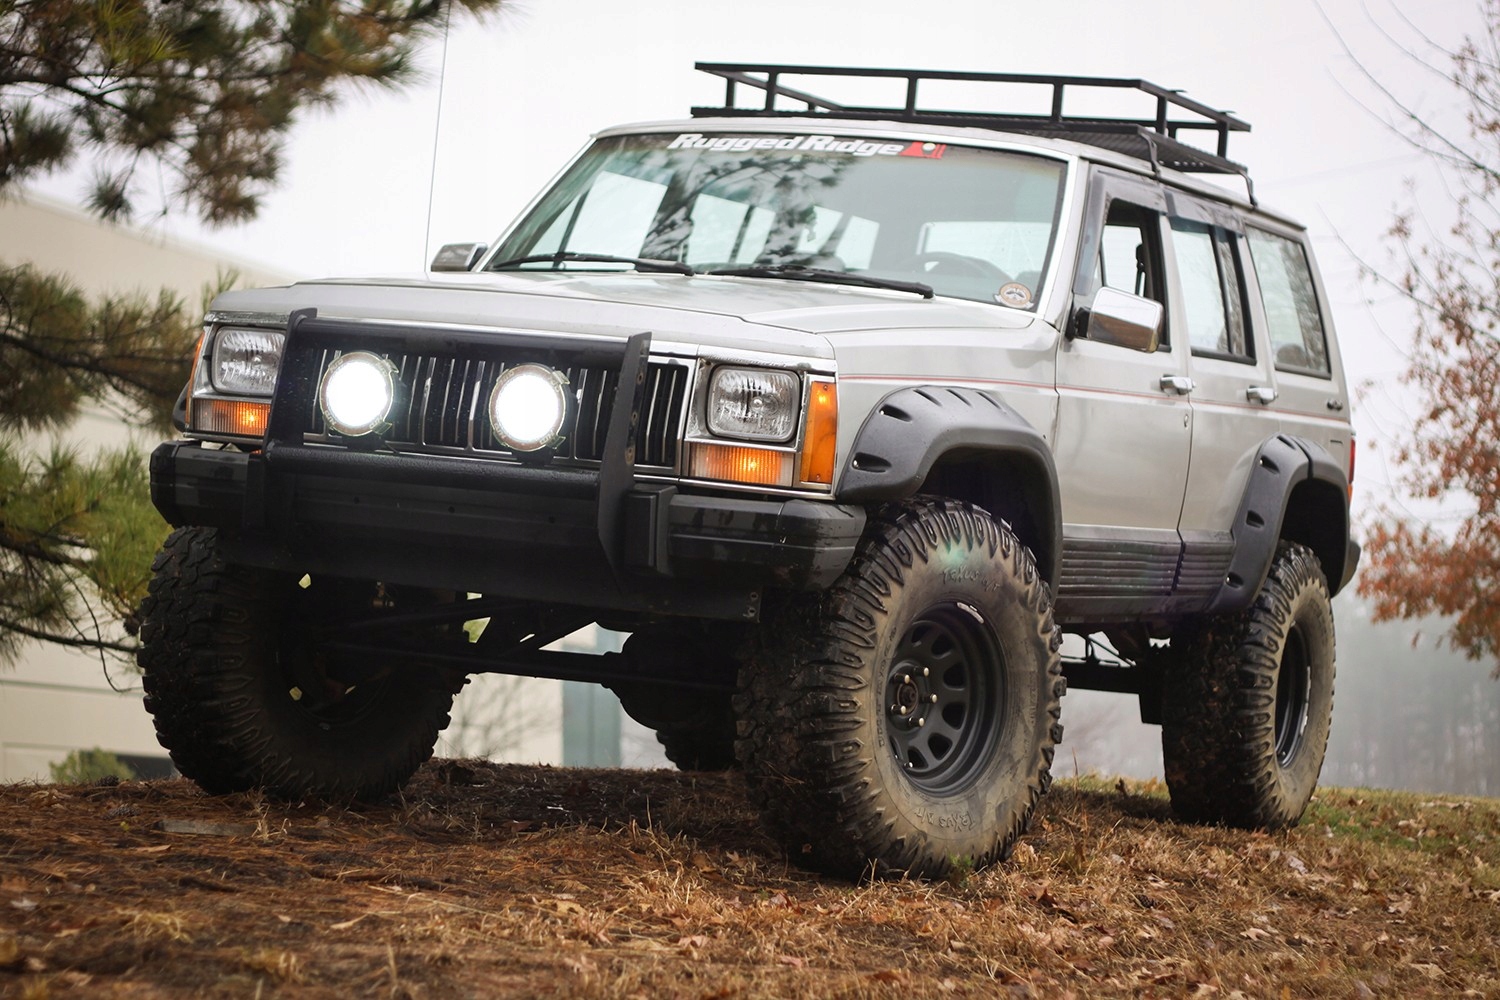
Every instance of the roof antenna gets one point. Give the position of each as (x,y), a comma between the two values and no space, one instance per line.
(437,129)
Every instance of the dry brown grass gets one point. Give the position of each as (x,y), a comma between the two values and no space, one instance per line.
(484,881)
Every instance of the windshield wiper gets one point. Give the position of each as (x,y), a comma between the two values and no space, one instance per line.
(639,263)
(798,272)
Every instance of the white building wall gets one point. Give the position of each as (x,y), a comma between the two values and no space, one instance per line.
(54,700)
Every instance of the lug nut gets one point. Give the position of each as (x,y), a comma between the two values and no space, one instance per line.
(921,723)
(932,698)
(906,678)
(925,671)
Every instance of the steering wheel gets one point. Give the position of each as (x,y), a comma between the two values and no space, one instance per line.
(961,264)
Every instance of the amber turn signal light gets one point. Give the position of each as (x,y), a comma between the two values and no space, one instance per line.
(230,416)
(820,443)
(742,464)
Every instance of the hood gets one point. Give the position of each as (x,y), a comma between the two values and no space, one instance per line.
(756,314)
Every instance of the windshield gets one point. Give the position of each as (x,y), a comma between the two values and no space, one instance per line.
(971,223)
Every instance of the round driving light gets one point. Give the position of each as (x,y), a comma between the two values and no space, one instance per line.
(528,407)
(357,392)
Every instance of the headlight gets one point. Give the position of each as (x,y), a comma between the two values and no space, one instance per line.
(756,404)
(357,392)
(245,362)
(528,407)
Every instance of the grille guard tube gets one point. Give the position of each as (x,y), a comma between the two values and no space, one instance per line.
(308,335)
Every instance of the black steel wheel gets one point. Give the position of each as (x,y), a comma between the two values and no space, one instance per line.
(243,696)
(904,721)
(1248,700)
(945,689)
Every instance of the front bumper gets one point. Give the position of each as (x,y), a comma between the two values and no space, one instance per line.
(545,534)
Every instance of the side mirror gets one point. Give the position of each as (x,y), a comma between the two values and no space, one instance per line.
(1124,320)
(458,256)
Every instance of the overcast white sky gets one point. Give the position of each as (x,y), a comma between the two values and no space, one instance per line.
(524,91)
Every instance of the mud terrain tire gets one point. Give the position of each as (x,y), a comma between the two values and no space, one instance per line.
(218,641)
(861,763)
(700,748)
(1247,703)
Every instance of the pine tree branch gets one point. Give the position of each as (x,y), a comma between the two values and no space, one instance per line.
(77,642)
(74,363)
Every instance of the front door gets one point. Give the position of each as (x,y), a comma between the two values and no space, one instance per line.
(1124,422)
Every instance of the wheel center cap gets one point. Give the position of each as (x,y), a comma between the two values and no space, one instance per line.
(906,698)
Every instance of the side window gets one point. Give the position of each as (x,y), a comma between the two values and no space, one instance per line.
(1128,259)
(1212,290)
(1293,320)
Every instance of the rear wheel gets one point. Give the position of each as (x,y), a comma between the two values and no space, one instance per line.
(1248,700)
(244,695)
(709,747)
(904,722)
(694,725)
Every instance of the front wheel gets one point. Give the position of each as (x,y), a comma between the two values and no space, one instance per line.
(1248,700)
(904,722)
(244,696)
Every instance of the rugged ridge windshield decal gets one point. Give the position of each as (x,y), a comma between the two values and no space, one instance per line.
(805,143)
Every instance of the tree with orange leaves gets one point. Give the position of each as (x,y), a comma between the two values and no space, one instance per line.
(1452,454)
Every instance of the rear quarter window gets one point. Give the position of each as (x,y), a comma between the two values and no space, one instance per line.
(1293,319)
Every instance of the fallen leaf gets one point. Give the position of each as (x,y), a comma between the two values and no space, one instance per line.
(888,976)
(1255,933)
(23,904)
(791,960)
(692,941)
(157,849)
(346,924)
(204,828)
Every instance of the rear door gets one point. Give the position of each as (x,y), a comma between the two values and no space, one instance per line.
(1232,392)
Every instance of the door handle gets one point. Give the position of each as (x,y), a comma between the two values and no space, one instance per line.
(1262,394)
(1181,385)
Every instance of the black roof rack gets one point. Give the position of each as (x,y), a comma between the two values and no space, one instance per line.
(1153,139)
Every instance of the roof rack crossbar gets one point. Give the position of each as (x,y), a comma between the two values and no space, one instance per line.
(1174,113)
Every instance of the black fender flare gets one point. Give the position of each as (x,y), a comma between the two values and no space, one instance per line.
(1296,490)
(913,429)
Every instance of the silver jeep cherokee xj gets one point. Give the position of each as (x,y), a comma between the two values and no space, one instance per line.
(846,413)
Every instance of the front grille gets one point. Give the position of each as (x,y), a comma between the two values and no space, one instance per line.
(440,409)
